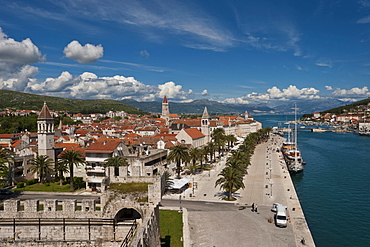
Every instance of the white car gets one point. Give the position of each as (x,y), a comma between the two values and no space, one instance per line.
(274,207)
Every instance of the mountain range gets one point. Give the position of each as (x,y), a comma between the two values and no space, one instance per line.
(26,101)
(215,107)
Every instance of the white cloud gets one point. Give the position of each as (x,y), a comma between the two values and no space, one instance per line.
(171,90)
(19,79)
(329,88)
(144,53)
(53,84)
(324,65)
(276,94)
(24,52)
(205,92)
(354,92)
(196,28)
(83,54)
(89,85)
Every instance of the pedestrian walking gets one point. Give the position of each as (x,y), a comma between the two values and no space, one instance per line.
(252,207)
(255,208)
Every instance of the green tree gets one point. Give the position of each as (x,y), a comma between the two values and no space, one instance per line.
(230,179)
(218,136)
(60,169)
(178,154)
(167,180)
(116,162)
(72,158)
(6,160)
(42,166)
(194,157)
(230,139)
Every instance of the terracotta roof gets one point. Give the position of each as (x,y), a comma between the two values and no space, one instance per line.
(7,136)
(194,133)
(169,145)
(190,122)
(66,145)
(102,147)
(78,149)
(15,143)
(45,113)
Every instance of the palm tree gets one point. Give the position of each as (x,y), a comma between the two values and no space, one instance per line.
(194,157)
(6,160)
(240,157)
(72,158)
(116,162)
(167,180)
(60,169)
(230,179)
(42,166)
(230,139)
(178,154)
(218,136)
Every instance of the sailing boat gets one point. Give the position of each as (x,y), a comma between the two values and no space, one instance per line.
(292,155)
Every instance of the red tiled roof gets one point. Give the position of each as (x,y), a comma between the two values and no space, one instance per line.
(66,145)
(102,147)
(78,149)
(194,133)
(6,135)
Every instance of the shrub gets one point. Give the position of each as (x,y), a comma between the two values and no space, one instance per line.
(20,185)
(32,181)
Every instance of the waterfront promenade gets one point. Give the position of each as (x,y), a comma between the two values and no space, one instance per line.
(267,182)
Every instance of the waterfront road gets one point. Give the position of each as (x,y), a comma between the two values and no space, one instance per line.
(227,224)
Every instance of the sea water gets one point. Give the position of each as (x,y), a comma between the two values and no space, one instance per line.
(334,189)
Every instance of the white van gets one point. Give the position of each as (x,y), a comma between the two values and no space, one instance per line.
(280,216)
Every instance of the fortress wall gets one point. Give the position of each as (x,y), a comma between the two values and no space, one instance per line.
(50,208)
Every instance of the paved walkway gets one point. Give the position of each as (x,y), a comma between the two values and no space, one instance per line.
(267,182)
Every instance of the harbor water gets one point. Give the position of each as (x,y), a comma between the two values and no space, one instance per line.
(334,189)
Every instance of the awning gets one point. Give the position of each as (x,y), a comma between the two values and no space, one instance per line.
(179,183)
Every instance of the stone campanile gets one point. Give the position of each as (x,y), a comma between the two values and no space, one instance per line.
(165,110)
(45,133)
(205,125)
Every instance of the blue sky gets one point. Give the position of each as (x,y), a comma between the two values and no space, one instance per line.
(236,51)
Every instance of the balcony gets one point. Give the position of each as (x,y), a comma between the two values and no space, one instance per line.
(95,169)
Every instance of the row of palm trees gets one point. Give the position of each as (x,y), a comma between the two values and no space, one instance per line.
(43,165)
(196,157)
(231,178)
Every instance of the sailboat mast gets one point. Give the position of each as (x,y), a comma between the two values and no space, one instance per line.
(295,131)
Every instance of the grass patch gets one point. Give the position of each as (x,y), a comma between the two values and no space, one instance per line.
(49,187)
(170,223)
(128,188)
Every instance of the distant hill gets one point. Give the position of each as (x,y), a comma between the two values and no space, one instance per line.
(340,110)
(308,106)
(197,107)
(26,101)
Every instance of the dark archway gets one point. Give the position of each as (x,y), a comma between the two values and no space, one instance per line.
(127,214)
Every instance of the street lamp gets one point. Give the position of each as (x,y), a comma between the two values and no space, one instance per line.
(271,183)
(180,203)
(270,171)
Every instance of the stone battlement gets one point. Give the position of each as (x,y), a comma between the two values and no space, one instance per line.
(50,208)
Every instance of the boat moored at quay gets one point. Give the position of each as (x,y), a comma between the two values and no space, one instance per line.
(291,153)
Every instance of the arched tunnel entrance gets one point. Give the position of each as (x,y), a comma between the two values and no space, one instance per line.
(127,214)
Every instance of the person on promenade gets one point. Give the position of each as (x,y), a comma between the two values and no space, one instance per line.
(255,208)
(252,207)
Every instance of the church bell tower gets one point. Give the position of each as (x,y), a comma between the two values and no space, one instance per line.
(165,111)
(45,133)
